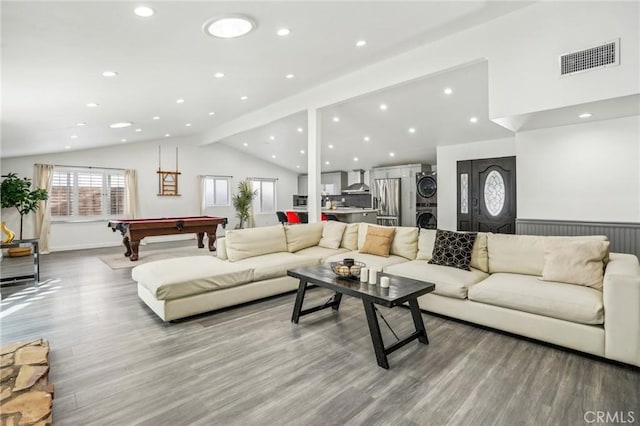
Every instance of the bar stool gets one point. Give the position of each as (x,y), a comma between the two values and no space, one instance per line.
(282,218)
(304,217)
(292,217)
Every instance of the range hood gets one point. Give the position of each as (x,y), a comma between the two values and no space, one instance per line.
(357,185)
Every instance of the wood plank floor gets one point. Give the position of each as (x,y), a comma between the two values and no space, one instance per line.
(114,362)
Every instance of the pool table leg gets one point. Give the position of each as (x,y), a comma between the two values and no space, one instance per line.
(212,240)
(125,241)
(200,239)
(134,250)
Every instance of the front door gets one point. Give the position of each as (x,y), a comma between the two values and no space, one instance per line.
(487,195)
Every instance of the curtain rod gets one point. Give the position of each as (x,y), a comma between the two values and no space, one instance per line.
(259,178)
(219,176)
(79,167)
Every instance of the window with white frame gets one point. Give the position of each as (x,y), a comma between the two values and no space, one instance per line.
(265,201)
(79,193)
(216,191)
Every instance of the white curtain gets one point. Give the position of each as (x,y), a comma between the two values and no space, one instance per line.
(201,198)
(131,202)
(43,177)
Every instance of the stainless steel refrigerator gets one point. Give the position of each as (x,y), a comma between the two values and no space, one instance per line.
(388,195)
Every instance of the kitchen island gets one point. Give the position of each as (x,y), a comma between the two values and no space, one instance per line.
(349,214)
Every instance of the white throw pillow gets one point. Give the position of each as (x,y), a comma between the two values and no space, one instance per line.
(575,262)
(332,234)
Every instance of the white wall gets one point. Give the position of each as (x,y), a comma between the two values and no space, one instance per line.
(586,172)
(215,159)
(447,159)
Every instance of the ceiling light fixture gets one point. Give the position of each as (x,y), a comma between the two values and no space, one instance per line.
(245,144)
(109,74)
(219,75)
(123,140)
(355,158)
(156,118)
(448,91)
(67,147)
(143,11)
(392,154)
(92,105)
(412,129)
(244,98)
(81,124)
(473,120)
(74,136)
(273,138)
(298,166)
(138,130)
(187,125)
(120,125)
(300,130)
(302,151)
(327,163)
(180,101)
(361,43)
(229,26)
(383,107)
(273,156)
(585,115)
(336,119)
(330,146)
(289,76)
(283,32)
(367,138)
(166,135)
(212,113)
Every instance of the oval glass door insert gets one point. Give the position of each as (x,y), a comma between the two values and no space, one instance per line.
(494,193)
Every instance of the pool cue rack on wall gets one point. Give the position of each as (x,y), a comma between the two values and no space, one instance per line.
(167,181)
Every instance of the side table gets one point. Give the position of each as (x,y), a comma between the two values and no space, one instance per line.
(33,242)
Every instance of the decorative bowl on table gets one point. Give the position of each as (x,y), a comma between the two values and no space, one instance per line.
(347,271)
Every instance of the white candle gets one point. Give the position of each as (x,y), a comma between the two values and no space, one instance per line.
(364,275)
(373,276)
(384,281)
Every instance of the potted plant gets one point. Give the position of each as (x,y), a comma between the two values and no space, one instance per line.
(17,192)
(242,201)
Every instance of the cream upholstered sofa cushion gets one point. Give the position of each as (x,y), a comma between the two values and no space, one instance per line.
(321,252)
(244,243)
(451,282)
(350,237)
(578,262)
(185,276)
(405,242)
(275,265)
(479,254)
(332,234)
(303,235)
(527,293)
(371,260)
(522,254)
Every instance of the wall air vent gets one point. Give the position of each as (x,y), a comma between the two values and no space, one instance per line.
(607,54)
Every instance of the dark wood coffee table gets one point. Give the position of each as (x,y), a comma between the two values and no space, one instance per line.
(400,290)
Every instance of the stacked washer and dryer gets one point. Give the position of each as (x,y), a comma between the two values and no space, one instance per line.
(426,200)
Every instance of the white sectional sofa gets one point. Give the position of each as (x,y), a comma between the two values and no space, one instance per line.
(503,289)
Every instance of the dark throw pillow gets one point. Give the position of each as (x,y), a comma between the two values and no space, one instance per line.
(453,249)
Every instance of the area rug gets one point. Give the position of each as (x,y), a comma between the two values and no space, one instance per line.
(146,255)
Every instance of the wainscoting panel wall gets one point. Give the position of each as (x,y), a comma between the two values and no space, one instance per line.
(624,237)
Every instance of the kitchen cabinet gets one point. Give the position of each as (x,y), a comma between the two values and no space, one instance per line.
(333,183)
(407,174)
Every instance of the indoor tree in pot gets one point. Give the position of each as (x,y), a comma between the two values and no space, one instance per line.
(242,201)
(17,192)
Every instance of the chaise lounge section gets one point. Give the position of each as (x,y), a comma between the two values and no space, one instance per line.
(507,286)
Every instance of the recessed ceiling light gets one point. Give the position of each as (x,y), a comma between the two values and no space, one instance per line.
(473,119)
(392,154)
(336,119)
(219,75)
(166,135)
(327,163)
(74,136)
(355,158)
(180,101)
(273,138)
(245,144)
(289,76)
(109,74)
(67,147)
(273,156)
(448,91)
(81,124)
(298,166)
(229,27)
(367,138)
(188,125)
(282,32)
(92,104)
(585,115)
(212,113)
(412,129)
(156,118)
(330,146)
(361,43)
(138,130)
(123,140)
(244,98)
(383,107)
(120,125)
(300,130)
(143,11)
(302,151)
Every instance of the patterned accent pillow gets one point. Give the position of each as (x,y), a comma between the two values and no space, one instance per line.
(453,249)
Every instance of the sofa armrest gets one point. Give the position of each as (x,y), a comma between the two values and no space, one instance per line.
(221,248)
(621,294)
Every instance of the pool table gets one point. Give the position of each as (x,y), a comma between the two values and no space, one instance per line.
(134,230)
